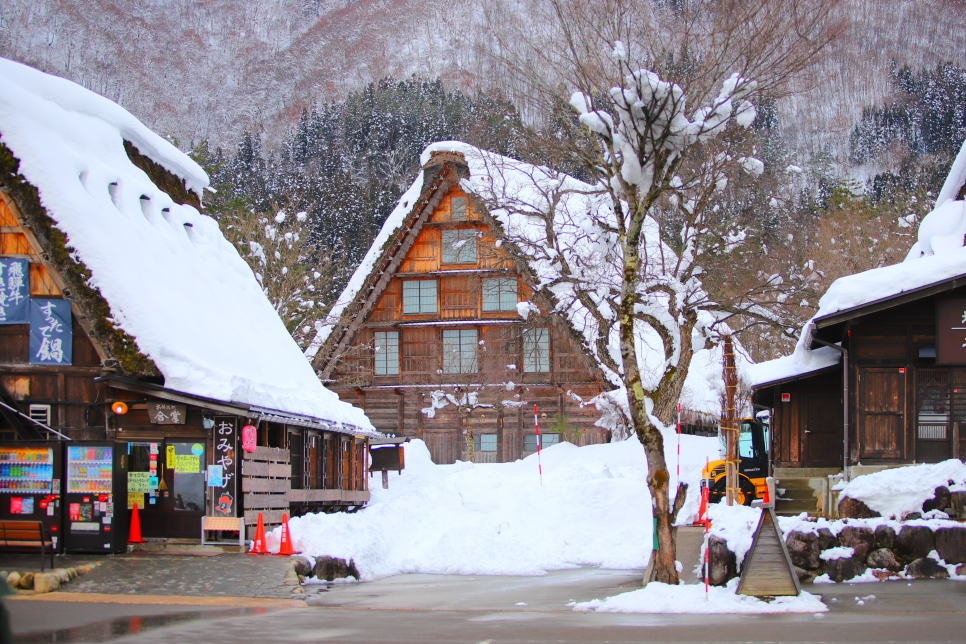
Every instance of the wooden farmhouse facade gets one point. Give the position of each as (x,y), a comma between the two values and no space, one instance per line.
(880,379)
(443,338)
(78,384)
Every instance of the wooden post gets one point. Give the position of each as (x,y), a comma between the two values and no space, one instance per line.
(955,445)
(728,422)
(385,479)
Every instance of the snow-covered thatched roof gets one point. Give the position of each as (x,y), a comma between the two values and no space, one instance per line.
(517,195)
(171,280)
(938,256)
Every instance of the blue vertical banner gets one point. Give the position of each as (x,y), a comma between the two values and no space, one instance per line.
(14,290)
(51,335)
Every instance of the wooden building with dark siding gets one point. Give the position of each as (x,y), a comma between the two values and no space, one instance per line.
(438,313)
(107,386)
(906,394)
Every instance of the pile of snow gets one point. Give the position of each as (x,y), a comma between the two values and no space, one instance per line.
(173,282)
(898,491)
(497,519)
(691,598)
(735,525)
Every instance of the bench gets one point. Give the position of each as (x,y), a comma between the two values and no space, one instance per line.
(27,534)
(223,524)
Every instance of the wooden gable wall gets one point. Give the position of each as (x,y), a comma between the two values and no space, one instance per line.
(394,402)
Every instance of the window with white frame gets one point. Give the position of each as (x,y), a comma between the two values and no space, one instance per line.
(499,293)
(459,350)
(536,350)
(484,442)
(386,345)
(419,296)
(459,245)
(458,208)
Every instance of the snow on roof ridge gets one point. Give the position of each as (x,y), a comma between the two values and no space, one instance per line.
(72,97)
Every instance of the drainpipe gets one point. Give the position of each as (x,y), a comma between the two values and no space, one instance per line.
(845,405)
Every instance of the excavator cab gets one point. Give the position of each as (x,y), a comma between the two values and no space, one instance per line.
(752,464)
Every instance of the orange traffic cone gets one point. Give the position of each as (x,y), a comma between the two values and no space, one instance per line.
(285,547)
(766,499)
(134,532)
(258,543)
(703,508)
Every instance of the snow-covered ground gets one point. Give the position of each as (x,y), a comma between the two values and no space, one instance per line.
(593,508)
(497,519)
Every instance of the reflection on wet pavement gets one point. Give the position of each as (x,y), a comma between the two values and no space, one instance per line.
(123,626)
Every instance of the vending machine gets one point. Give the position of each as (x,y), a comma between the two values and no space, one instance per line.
(94,491)
(30,489)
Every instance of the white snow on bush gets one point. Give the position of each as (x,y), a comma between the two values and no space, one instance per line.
(497,519)
(691,598)
(173,282)
(897,491)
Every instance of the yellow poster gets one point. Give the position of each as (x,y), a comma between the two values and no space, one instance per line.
(135,497)
(137,482)
(170,456)
(187,464)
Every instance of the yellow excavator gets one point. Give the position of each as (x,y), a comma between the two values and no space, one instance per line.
(752,465)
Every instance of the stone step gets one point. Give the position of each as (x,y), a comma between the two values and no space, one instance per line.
(797,494)
(797,506)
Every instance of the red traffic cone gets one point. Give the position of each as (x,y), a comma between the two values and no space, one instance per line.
(134,532)
(703,508)
(285,547)
(258,543)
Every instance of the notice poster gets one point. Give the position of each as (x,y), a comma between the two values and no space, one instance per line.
(170,456)
(74,511)
(135,498)
(16,503)
(187,464)
(27,505)
(137,481)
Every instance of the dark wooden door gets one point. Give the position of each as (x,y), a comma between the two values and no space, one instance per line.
(822,425)
(881,412)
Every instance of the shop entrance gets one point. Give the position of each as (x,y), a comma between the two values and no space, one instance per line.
(166,478)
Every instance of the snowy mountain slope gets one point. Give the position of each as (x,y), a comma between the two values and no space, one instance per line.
(211,69)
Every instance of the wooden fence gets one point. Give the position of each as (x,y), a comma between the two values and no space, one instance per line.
(266,484)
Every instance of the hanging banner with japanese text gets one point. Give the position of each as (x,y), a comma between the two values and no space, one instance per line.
(14,290)
(225,442)
(51,336)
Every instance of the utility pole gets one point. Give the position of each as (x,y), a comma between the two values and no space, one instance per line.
(729,424)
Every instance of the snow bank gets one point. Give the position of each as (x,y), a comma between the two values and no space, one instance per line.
(172,281)
(691,598)
(900,490)
(496,519)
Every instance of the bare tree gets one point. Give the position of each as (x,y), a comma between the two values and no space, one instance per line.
(650,103)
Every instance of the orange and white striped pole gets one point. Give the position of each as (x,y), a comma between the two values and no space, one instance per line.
(536,427)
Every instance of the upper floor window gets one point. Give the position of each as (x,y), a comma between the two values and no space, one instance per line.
(458,208)
(536,350)
(386,353)
(459,350)
(459,246)
(419,296)
(499,294)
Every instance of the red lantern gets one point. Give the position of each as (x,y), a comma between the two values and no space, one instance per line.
(248,438)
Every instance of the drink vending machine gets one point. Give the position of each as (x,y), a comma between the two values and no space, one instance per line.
(94,498)
(30,485)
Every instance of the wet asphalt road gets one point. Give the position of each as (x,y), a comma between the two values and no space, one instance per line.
(426,608)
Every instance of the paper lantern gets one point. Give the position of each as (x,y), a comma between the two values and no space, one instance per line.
(119,408)
(248,438)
